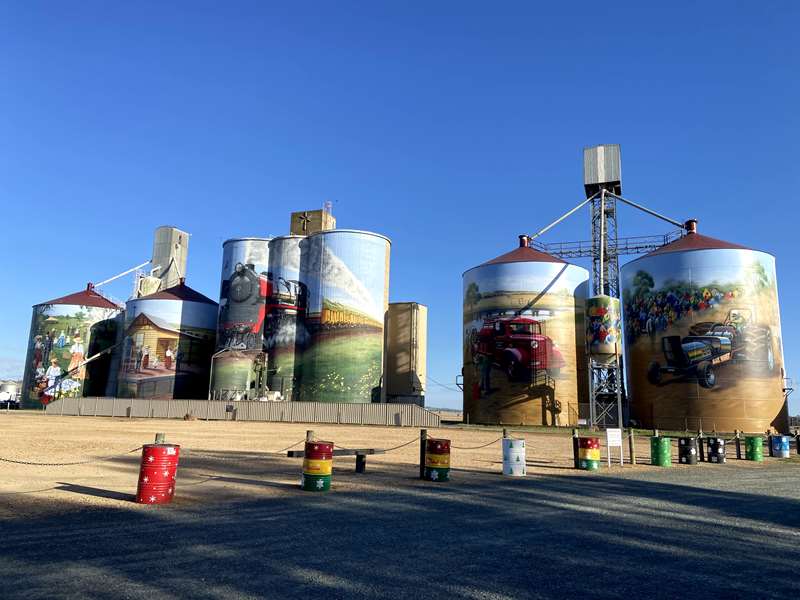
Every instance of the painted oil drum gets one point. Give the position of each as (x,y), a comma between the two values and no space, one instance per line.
(319,450)
(661,451)
(168,344)
(244,287)
(317,467)
(437,459)
(603,328)
(716,450)
(522,328)
(347,276)
(157,473)
(437,474)
(315,483)
(687,451)
(703,337)
(781,446)
(589,453)
(514,458)
(64,333)
(754,448)
(285,333)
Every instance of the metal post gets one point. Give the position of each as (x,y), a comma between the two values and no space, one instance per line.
(505,433)
(114,406)
(361,463)
(575,459)
(769,445)
(161,438)
(423,439)
(700,449)
(797,443)
(632,445)
(310,435)
(738,441)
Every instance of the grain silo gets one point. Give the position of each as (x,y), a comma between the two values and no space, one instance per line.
(523,348)
(168,341)
(703,337)
(61,337)
(285,330)
(239,364)
(347,274)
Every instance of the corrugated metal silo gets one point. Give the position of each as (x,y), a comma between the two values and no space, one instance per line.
(167,346)
(239,365)
(285,329)
(347,274)
(523,327)
(703,337)
(61,337)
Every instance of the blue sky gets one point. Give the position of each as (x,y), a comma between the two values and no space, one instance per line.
(450,127)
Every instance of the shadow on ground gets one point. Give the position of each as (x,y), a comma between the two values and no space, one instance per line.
(385,534)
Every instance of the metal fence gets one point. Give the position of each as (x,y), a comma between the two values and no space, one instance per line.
(398,415)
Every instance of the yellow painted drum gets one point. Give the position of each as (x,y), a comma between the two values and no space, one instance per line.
(317,467)
(589,453)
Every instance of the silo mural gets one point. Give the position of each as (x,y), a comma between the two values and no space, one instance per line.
(239,364)
(167,347)
(603,328)
(285,329)
(243,293)
(524,358)
(347,274)
(65,334)
(703,334)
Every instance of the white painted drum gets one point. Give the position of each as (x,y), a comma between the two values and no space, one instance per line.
(514,458)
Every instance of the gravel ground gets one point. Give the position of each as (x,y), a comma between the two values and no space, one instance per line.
(241,528)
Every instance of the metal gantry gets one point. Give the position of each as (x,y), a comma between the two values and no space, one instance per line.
(603,186)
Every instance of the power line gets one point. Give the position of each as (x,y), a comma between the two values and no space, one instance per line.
(442,385)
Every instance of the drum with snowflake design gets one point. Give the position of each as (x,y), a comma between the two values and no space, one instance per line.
(157,473)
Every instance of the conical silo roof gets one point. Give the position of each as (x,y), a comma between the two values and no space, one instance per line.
(87,297)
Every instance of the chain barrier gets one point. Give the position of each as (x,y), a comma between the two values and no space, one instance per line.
(200,453)
(69,464)
(475,447)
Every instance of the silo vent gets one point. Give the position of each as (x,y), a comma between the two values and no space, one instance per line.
(691,226)
(523,241)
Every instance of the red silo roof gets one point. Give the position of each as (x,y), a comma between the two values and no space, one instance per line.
(524,254)
(179,292)
(87,297)
(696,241)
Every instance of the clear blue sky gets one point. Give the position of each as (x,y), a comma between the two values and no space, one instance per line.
(449,127)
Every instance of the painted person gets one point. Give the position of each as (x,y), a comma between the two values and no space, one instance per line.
(76,358)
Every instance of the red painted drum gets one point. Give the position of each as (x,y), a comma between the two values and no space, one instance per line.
(434,446)
(157,473)
(589,443)
(319,450)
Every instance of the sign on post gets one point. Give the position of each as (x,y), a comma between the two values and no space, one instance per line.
(614,439)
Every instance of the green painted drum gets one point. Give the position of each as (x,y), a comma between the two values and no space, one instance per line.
(661,451)
(437,473)
(315,483)
(588,465)
(753,448)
